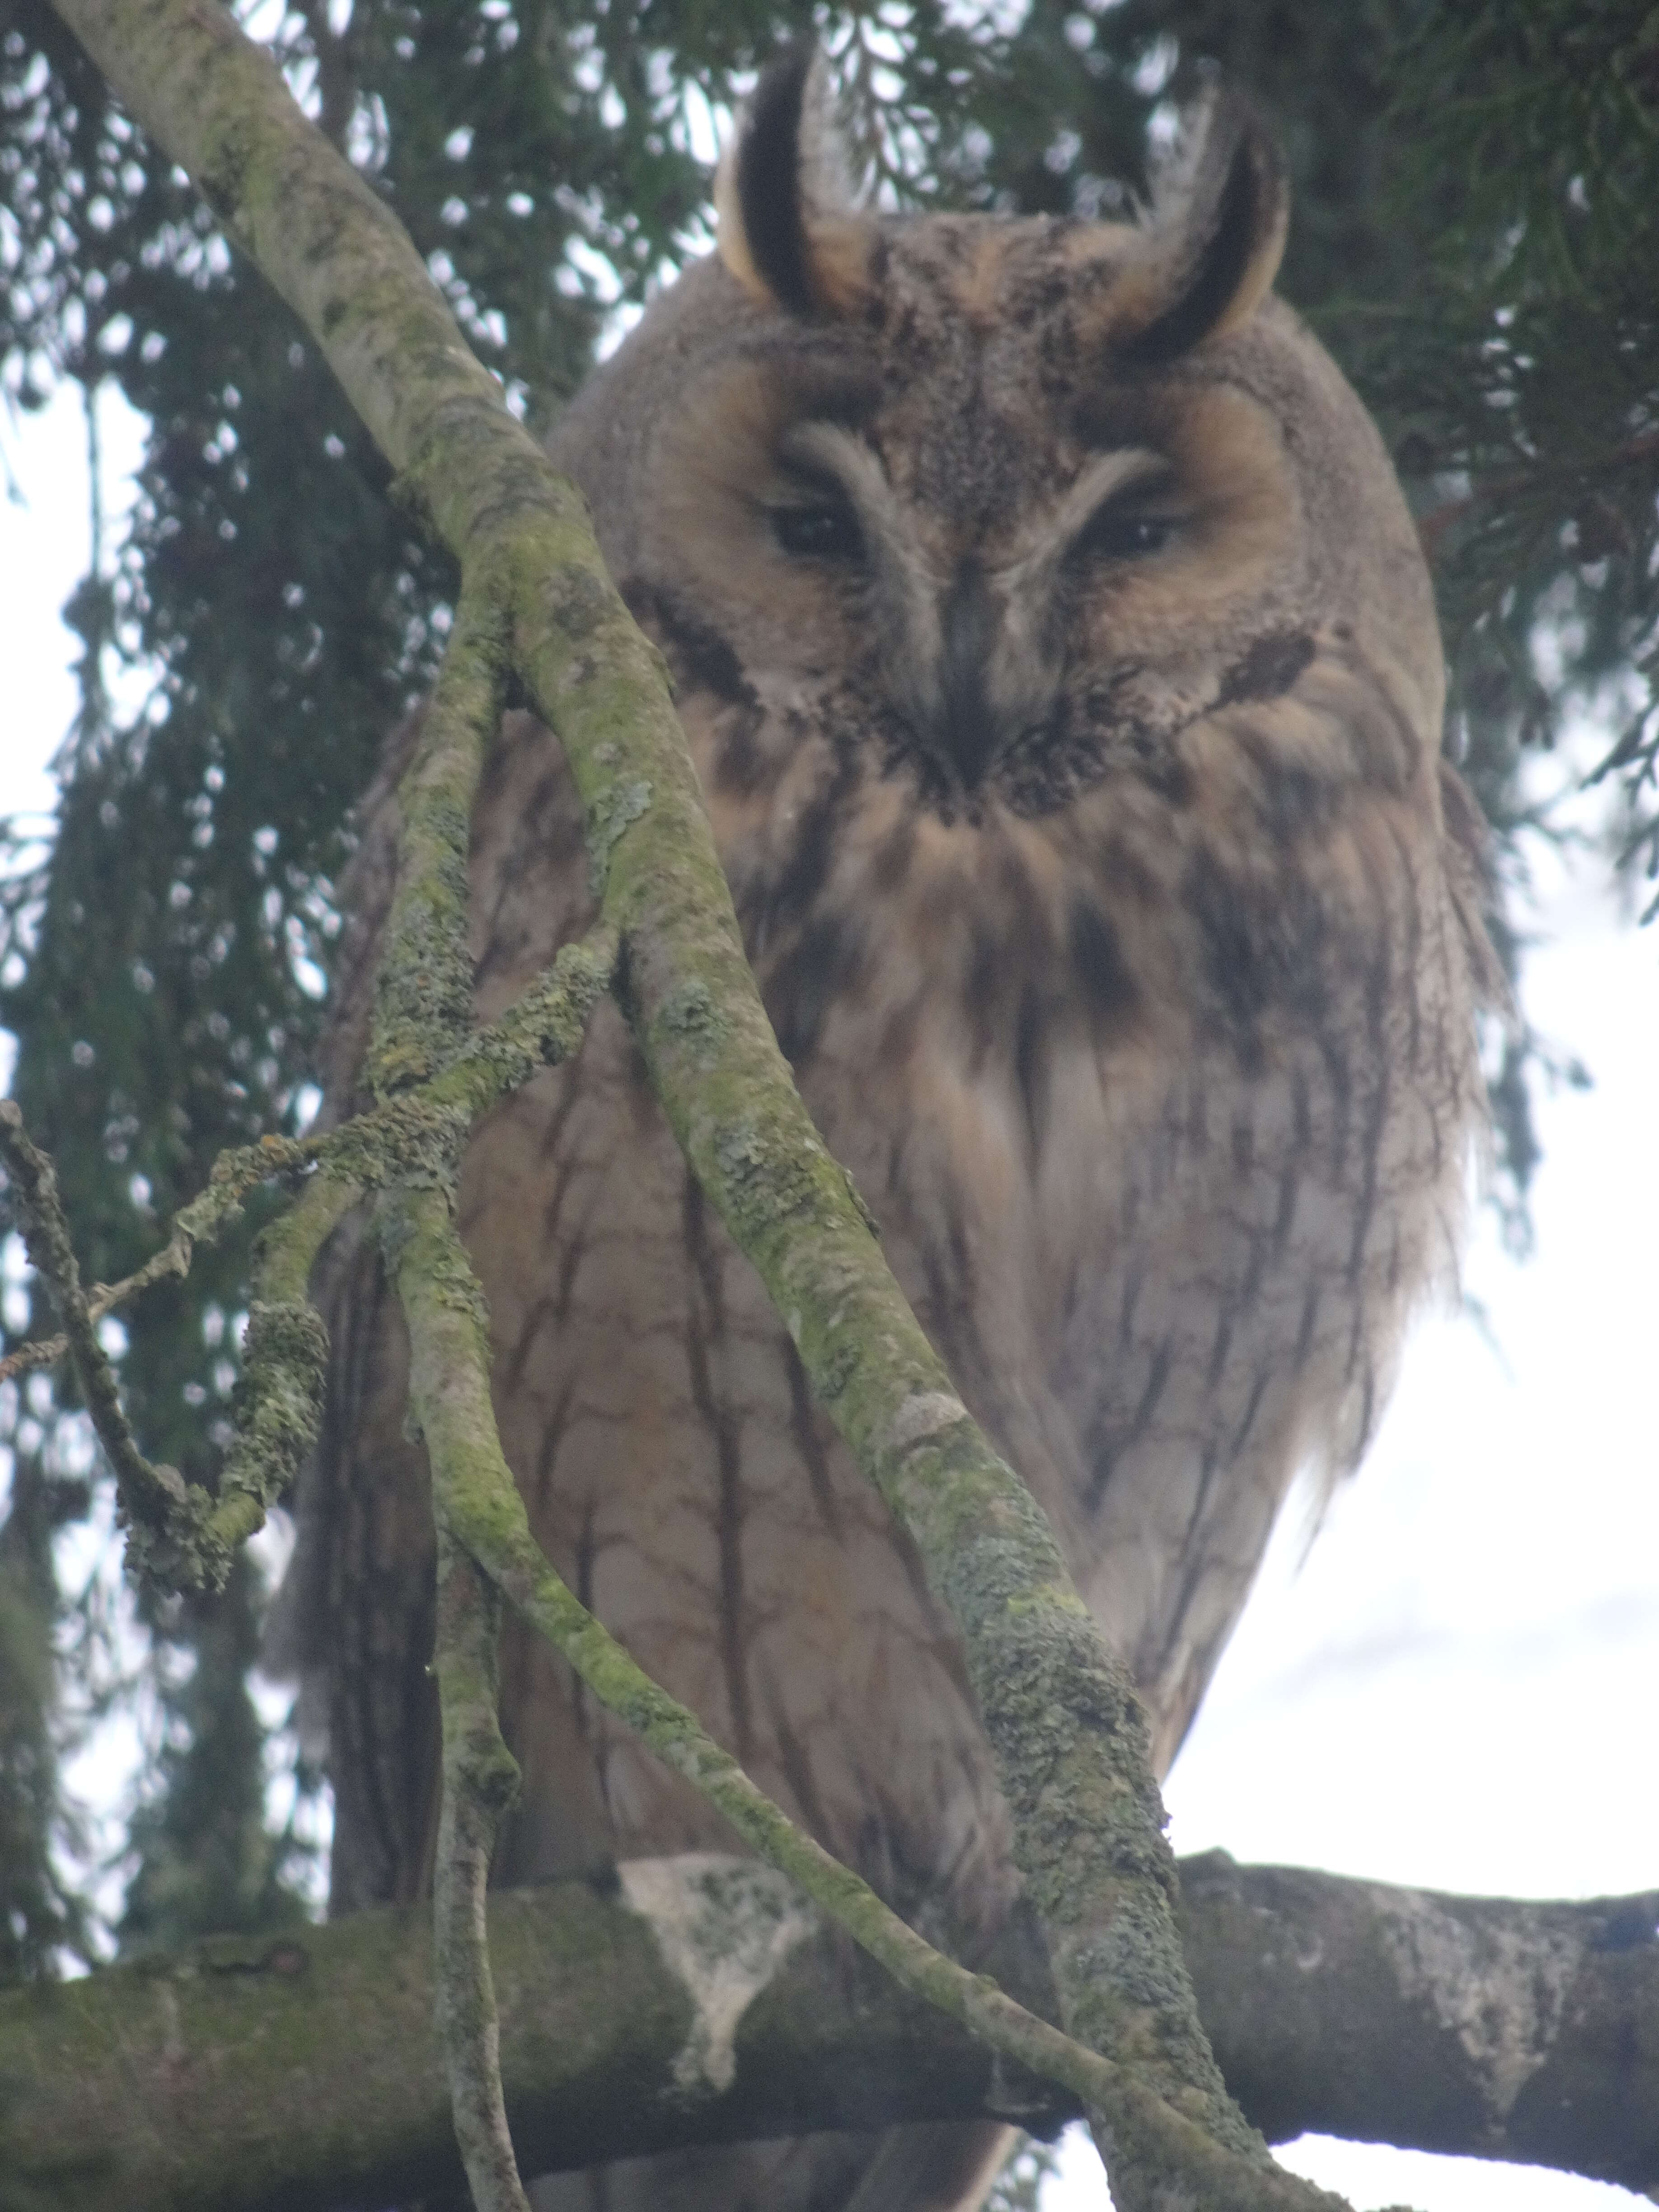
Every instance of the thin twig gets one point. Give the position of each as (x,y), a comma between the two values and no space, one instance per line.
(183,1539)
(480,1784)
(234,1175)
(422,1008)
(153,1497)
(172,1259)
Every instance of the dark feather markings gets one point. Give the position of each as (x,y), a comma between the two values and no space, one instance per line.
(1032,1071)
(1269,670)
(803,1420)
(1109,990)
(769,908)
(1106,1455)
(700,654)
(805,981)
(1260,958)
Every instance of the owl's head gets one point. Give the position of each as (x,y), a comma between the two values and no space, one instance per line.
(995,509)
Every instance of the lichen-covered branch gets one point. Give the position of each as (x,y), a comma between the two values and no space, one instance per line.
(183,1538)
(155,1502)
(423,982)
(179,1535)
(1059,1711)
(695,2001)
(422,1008)
(172,1259)
(1491,2027)
(241,2076)
(478,1506)
(481,1781)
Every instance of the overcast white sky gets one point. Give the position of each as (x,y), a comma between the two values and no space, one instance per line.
(1455,1689)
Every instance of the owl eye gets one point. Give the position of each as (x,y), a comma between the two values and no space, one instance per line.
(1123,533)
(826,531)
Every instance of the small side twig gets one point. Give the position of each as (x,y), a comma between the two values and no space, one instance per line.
(481,1781)
(154,1498)
(422,1007)
(234,1175)
(172,1259)
(180,1535)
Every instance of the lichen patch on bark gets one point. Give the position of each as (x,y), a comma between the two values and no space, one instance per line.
(725,1927)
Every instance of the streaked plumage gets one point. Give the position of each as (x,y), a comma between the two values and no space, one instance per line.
(1056,651)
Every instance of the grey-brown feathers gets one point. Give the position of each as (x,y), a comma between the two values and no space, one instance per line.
(1055,649)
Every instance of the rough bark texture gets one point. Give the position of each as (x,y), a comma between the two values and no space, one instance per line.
(1495,2027)
(704,2003)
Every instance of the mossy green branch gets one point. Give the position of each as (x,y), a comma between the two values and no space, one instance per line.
(481,1784)
(422,1010)
(424,978)
(478,1503)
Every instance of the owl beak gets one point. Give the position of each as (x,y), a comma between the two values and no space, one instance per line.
(990,684)
(965,725)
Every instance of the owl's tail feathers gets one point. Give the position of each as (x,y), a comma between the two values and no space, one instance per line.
(933,2166)
(927,2166)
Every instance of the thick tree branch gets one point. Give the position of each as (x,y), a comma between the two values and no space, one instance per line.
(1492,2027)
(243,2077)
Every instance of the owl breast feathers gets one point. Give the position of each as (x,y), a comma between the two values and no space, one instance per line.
(1060,668)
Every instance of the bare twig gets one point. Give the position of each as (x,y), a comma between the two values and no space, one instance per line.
(154,1498)
(172,1259)
(480,1781)
(423,1006)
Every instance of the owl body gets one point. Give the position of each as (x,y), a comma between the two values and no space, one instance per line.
(1060,671)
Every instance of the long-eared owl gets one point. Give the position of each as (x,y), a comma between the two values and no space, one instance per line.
(1056,651)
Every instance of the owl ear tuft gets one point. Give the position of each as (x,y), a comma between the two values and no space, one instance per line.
(789,231)
(1214,234)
